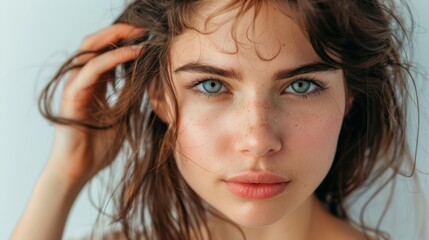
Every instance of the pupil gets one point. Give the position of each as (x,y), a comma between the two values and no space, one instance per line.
(301,86)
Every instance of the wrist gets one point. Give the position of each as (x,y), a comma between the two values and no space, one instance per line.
(60,181)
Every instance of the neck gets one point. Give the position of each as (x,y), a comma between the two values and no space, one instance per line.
(295,226)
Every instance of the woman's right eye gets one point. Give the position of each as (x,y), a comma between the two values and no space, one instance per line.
(210,86)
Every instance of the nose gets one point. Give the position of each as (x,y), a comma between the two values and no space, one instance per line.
(257,135)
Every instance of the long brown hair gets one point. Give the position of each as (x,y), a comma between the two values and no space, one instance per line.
(365,38)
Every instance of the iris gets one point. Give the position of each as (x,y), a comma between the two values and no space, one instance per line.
(212,86)
(301,86)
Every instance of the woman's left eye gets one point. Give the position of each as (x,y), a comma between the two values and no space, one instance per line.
(302,87)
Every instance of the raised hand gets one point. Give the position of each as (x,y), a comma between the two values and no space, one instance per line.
(79,153)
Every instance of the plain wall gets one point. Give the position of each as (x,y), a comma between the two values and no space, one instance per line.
(36,36)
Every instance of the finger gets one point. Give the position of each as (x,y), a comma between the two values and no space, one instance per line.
(79,60)
(77,95)
(102,39)
(109,36)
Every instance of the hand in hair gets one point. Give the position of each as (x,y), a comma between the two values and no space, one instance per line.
(80,152)
(79,149)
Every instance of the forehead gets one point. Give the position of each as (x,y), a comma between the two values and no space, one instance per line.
(264,34)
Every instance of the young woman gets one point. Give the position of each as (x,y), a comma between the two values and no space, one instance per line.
(240,119)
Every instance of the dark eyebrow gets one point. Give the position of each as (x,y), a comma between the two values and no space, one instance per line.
(307,68)
(202,68)
(230,73)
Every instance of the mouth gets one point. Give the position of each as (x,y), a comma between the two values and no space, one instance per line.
(257,185)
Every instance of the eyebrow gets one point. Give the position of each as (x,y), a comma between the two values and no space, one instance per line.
(304,69)
(231,73)
(203,68)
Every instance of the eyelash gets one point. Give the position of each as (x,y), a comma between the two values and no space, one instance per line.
(321,86)
(195,83)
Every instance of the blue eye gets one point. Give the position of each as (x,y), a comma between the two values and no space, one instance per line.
(210,86)
(301,86)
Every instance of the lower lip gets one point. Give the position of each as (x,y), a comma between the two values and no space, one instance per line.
(256,190)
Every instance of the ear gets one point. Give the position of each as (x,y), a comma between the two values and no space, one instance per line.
(159,103)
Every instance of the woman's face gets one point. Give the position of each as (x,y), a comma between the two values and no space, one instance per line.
(259,115)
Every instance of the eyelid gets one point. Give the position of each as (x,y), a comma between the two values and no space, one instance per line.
(323,85)
(193,84)
(197,81)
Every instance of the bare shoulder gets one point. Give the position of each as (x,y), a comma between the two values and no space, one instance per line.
(333,228)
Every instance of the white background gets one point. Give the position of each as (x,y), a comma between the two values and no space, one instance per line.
(36,36)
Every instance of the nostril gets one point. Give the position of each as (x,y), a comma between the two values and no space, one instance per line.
(258,147)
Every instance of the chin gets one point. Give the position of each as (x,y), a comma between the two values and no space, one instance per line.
(255,215)
(256,222)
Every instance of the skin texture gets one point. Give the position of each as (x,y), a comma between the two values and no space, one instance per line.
(255,124)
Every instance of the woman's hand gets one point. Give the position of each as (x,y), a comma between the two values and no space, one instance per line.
(79,153)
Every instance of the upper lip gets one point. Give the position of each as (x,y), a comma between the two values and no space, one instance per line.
(258,177)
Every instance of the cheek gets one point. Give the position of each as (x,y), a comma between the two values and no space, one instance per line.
(315,132)
(197,139)
(313,137)
(204,147)
(314,144)
(199,131)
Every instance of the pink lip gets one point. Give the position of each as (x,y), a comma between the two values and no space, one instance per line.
(256,185)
